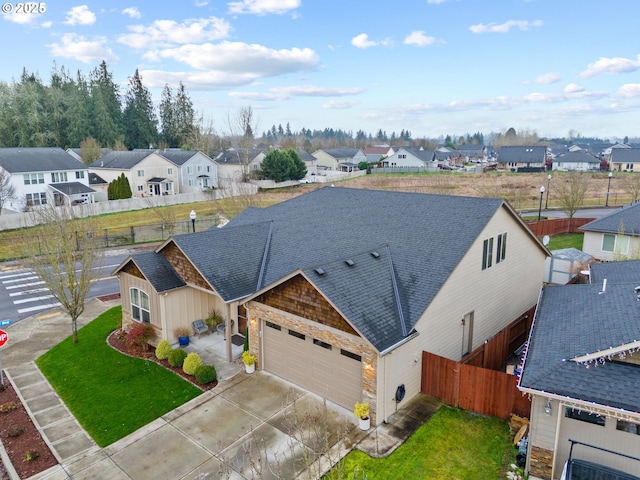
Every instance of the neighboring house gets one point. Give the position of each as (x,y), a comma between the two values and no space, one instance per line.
(340,159)
(149,173)
(236,165)
(615,236)
(375,154)
(411,157)
(474,153)
(45,176)
(526,157)
(576,160)
(607,151)
(196,171)
(344,288)
(581,368)
(624,160)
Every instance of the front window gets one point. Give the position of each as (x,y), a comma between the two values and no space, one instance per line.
(33,178)
(615,243)
(79,174)
(57,177)
(189,169)
(140,173)
(169,171)
(168,187)
(140,305)
(36,199)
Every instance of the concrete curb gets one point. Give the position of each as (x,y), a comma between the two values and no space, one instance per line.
(6,462)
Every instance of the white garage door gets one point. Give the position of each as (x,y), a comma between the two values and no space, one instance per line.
(328,370)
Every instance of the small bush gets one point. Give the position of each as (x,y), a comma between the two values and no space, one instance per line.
(206,374)
(248,358)
(176,357)
(7,407)
(190,364)
(141,333)
(163,350)
(15,430)
(31,455)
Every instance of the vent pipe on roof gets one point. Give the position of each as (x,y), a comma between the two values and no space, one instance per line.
(350,262)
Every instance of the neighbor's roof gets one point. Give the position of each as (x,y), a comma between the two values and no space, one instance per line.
(121,160)
(38,159)
(625,155)
(178,156)
(522,154)
(72,188)
(622,220)
(579,156)
(627,271)
(575,320)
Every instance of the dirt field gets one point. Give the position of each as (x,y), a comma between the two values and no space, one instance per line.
(522,190)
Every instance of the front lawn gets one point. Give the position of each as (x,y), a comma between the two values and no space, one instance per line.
(453,443)
(111,394)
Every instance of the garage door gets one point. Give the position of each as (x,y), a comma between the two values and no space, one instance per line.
(328,370)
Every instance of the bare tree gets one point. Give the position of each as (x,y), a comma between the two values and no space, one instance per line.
(570,190)
(89,150)
(242,128)
(631,185)
(66,257)
(7,189)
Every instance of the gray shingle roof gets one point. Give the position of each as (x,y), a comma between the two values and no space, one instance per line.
(625,219)
(121,160)
(72,188)
(579,156)
(625,155)
(17,160)
(158,271)
(574,320)
(179,157)
(522,154)
(627,271)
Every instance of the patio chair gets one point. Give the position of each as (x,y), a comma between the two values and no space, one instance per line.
(223,326)
(199,327)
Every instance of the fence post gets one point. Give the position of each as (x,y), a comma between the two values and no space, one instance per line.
(106,238)
(133,235)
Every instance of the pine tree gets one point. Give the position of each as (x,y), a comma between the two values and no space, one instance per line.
(105,107)
(138,117)
(184,116)
(168,117)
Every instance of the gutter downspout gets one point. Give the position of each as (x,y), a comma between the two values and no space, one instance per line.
(229,333)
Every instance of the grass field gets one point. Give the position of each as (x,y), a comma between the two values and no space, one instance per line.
(109,393)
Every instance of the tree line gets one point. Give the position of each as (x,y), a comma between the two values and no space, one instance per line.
(72,109)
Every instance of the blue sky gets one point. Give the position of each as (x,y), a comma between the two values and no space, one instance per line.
(433,67)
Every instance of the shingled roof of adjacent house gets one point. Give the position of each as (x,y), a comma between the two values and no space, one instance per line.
(524,154)
(18,160)
(583,321)
(622,220)
(121,160)
(177,156)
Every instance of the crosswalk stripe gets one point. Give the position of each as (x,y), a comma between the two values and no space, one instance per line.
(33,277)
(31,284)
(32,299)
(28,292)
(39,307)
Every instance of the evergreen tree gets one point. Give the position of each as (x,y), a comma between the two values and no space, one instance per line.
(184,116)
(79,121)
(168,118)
(138,117)
(282,165)
(105,107)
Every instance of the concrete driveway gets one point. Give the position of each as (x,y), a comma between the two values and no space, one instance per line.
(253,426)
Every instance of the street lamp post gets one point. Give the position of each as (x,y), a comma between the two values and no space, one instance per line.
(540,207)
(192,216)
(546,203)
(606,203)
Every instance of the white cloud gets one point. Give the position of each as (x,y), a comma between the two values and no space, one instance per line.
(163,33)
(201,4)
(263,7)
(504,27)
(611,66)
(285,93)
(20,18)
(362,41)
(338,105)
(87,51)
(419,39)
(573,88)
(132,12)
(234,63)
(545,79)
(630,90)
(80,15)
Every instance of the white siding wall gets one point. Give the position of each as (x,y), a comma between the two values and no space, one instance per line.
(497,296)
(592,244)
(543,427)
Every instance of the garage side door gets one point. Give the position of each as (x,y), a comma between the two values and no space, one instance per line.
(324,369)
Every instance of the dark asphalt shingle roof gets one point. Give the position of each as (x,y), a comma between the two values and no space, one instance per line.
(158,271)
(625,155)
(72,188)
(524,154)
(17,160)
(625,219)
(179,157)
(627,271)
(575,320)
(121,160)
(578,156)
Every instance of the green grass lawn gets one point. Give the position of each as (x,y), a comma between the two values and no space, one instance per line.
(453,444)
(566,240)
(111,394)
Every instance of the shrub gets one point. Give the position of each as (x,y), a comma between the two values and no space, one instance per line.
(248,359)
(141,333)
(176,357)
(31,455)
(206,374)
(163,350)
(15,430)
(361,410)
(214,319)
(191,363)
(7,407)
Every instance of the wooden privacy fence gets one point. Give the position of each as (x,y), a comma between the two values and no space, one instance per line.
(477,389)
(555,226)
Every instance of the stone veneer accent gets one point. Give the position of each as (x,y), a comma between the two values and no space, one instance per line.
(183,266)
(258,312)
(540,462)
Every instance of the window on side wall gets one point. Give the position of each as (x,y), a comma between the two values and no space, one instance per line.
(615,243)
(140,305)
(501,251)
(487,253)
